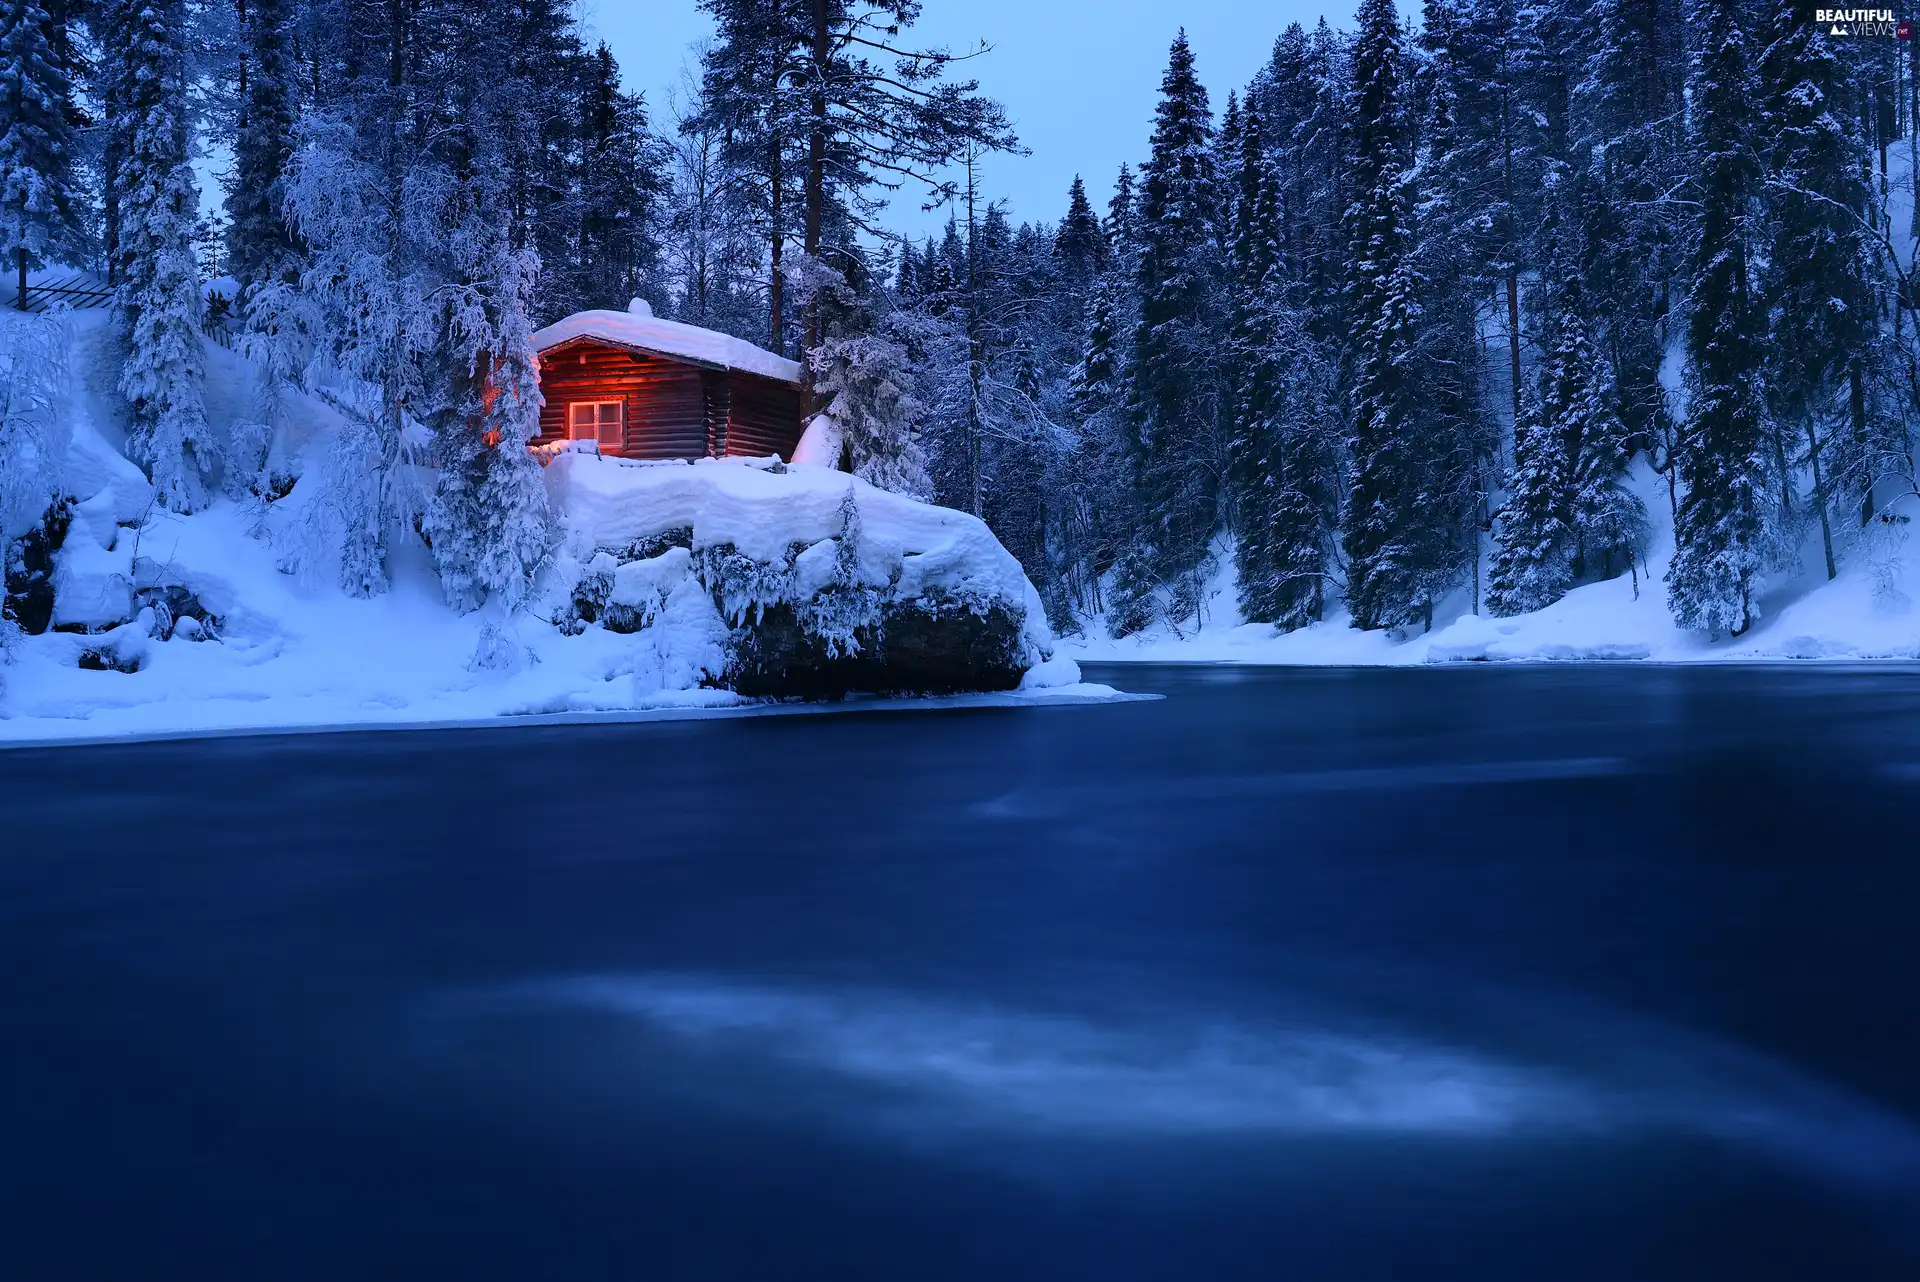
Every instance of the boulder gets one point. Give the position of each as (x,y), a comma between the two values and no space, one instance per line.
(816,585)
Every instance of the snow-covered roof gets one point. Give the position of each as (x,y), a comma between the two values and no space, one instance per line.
(640,330)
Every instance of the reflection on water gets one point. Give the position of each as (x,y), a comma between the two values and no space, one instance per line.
(1027,1069)
(1165,1073)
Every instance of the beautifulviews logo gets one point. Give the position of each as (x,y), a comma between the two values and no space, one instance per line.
(1862,22)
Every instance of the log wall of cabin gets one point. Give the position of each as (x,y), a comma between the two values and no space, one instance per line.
(763,416)
(666,402)
(673,410)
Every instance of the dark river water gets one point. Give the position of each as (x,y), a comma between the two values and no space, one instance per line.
(1533,974)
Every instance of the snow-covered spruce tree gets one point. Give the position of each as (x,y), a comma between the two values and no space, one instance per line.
(1569,515)
(866,383)
(1533,544)
(1817,282)
(1098,379)
(1095,397)
(39,208)
(846,607)
(1286,425)
(1123,221)
(1250,249)
(517,532)
(488,521)
(869,370)
(1079,252)
(1177,400)
(1471,160)
(260,245)
(1134,602)
(157,300)
(1386,557)
(1724,532)
(1606,521)
(1629,122)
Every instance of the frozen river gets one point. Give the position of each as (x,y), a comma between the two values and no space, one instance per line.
(1552,973)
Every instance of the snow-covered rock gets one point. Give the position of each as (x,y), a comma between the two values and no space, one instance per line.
(824,583)
(92,585)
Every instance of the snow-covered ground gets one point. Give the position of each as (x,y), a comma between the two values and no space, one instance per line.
(1868,612)
(295,652)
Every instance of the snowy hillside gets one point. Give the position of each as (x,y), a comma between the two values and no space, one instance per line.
(671,583)
(1868,612)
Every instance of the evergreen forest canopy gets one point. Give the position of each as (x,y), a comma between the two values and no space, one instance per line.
(1388,328)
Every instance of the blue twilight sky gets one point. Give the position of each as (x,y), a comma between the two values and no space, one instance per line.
(1078,77)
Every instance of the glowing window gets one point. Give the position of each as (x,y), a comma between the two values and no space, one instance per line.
(603,421)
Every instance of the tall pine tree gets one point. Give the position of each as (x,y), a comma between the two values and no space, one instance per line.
(1386,539)
(157,299)
(1178,406)
(1724,527)
(1818,296)
(260,245)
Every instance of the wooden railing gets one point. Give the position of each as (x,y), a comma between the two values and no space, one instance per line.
(76,289)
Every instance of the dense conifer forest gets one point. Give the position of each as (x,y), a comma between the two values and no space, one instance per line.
(1391,323)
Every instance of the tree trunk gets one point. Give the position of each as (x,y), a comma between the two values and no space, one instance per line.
(1476,569)
(110,186)
(817,119)
(1857,407)
(1513,252)
(1786,474)
(1820,498)
(240,31)
(776,284)
(976,350)
(1671,433)
(816,186)
(20,299)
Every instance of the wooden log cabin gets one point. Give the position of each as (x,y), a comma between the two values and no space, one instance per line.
(647,388)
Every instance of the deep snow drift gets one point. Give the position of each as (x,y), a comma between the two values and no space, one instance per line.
(187,624)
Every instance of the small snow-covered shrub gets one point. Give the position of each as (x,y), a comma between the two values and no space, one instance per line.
(838,617)
(1134,596)
(586,598)
(847,606)
(498,651)
(743,588)
(248,444)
